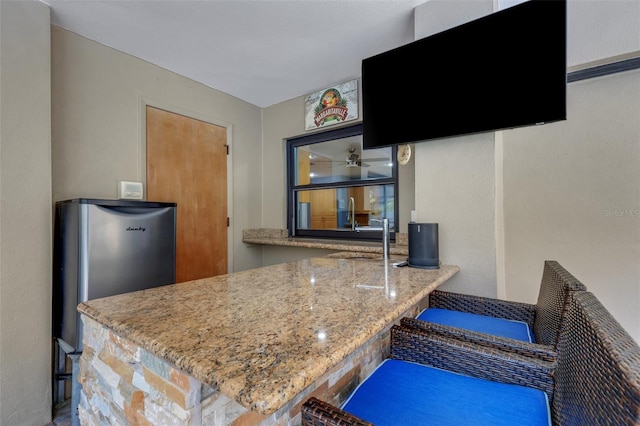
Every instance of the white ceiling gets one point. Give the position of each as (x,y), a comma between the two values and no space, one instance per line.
(262,51)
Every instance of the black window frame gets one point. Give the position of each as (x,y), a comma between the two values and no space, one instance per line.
(293,188)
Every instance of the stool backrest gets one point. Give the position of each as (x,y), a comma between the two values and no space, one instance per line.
(551,307)
(598,372)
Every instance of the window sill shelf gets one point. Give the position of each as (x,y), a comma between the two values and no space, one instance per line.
(278,237)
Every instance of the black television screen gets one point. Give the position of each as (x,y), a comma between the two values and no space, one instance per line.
(504,70)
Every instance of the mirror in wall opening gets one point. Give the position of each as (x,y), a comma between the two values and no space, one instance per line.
(358,208)
(341,160)
(341,190)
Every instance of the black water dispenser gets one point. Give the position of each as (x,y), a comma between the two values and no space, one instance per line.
(423,246)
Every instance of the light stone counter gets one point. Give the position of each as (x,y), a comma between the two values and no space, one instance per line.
(259,337)
(279,237)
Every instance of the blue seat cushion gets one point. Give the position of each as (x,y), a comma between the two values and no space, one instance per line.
(406,393)
(484,324)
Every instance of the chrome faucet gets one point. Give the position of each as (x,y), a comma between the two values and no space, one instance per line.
(352,212)
(385,239)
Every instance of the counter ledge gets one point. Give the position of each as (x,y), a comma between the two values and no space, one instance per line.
(264,338)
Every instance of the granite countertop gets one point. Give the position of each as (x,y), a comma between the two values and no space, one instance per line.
(263,335)
(279,237)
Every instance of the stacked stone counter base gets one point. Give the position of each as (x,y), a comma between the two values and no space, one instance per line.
(123,384)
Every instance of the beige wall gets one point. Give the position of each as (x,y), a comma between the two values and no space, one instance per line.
(571,194)
(566,191)
(98,135)
(25,214)
(455,188)
(283,121)
(280,121)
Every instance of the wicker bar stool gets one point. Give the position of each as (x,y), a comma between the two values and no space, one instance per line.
(528,329)
(596,380)
(432,379)
(598,373)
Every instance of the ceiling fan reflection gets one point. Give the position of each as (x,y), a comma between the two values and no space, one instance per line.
(353,160)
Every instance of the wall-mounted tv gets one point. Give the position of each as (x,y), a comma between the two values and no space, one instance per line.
(501,71)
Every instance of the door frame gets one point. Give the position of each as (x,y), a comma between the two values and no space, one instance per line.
(143,103)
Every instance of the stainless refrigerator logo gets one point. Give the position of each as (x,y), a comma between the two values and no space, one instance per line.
(137,228)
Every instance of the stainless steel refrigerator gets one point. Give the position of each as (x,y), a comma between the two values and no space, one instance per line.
(103,248)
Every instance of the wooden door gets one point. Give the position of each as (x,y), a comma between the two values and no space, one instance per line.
(187,164)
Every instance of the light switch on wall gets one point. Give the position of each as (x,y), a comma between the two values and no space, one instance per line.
(130,190)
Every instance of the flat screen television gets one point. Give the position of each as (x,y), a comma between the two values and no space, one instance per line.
(501,71)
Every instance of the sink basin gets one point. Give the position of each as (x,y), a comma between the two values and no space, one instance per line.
(353,255)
